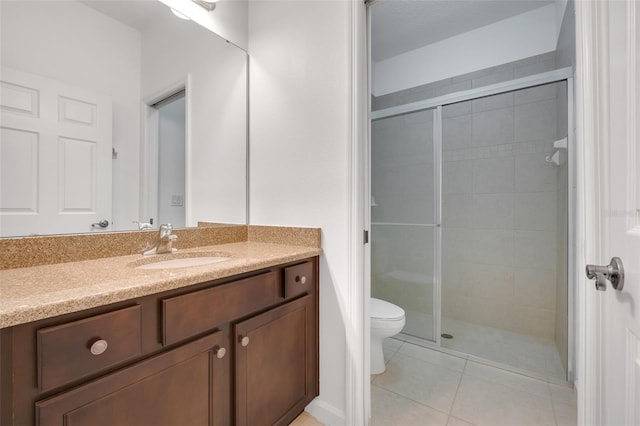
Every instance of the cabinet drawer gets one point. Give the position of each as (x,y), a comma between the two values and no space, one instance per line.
(298,279)
(183,386)
(69,351)
(194,313)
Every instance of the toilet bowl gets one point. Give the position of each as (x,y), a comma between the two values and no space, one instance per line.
(387,320)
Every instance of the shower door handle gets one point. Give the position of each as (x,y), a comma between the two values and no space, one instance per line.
(613,272)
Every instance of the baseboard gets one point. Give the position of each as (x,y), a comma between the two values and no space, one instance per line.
(326,414)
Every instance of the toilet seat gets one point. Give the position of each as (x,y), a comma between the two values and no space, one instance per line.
(383,311)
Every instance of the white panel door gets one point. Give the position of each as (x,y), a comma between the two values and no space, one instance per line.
(612,190)
(55,156)
(620,316)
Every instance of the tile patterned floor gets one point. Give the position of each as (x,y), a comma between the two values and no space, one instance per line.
(305,419)
(423,387)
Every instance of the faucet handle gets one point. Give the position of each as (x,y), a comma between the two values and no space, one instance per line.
(143,225)
(165,230)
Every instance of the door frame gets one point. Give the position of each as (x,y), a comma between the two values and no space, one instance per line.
(591,128)
(587,193)
(357,354)
(149,149)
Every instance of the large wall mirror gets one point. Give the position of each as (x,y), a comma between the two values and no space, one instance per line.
(117,112)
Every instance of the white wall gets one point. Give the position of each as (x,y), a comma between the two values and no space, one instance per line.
(56,36)
(561,9)
(229,19)
(529,34)
(173,49)
(300,142)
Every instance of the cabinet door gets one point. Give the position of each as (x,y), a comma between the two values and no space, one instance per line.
(179,387)
(276,357)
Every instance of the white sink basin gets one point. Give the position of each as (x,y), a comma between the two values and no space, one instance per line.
(183,262)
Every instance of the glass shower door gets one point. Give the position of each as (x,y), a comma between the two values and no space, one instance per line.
(505,228)
(404,171)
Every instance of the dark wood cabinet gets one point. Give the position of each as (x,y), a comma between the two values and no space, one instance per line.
(241,350)
(182,386)
(275,364)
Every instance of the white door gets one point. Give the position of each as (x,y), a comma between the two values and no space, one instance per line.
(55,156)
(609,32)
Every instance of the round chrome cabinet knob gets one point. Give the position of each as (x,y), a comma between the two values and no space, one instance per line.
(244,341)
(99,347)
(301,279)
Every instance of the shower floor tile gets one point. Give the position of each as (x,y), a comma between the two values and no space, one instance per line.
(534,354)
(524,352)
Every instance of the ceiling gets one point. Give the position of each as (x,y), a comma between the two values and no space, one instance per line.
(399,26)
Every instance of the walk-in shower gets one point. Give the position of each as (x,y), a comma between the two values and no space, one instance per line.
(470,216)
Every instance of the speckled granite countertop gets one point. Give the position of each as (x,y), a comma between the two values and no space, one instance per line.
(38,292)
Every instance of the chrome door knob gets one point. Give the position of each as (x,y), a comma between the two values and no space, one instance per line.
(301,279)
(244,341)
(220,352)
(613,272)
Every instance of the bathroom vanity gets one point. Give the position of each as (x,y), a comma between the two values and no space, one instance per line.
(240,349)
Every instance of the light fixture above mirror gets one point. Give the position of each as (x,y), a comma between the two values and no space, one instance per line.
(207,4)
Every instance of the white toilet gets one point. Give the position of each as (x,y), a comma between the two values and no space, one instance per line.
(387,320)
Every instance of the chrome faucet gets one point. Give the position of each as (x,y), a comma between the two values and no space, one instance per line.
(143,225)
(164,243)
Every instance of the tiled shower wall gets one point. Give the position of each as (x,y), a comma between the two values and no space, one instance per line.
(499,211)
(500,204)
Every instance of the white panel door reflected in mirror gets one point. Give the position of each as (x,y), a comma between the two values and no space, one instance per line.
(55,155)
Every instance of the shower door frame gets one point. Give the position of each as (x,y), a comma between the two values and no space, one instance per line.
(436,104)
